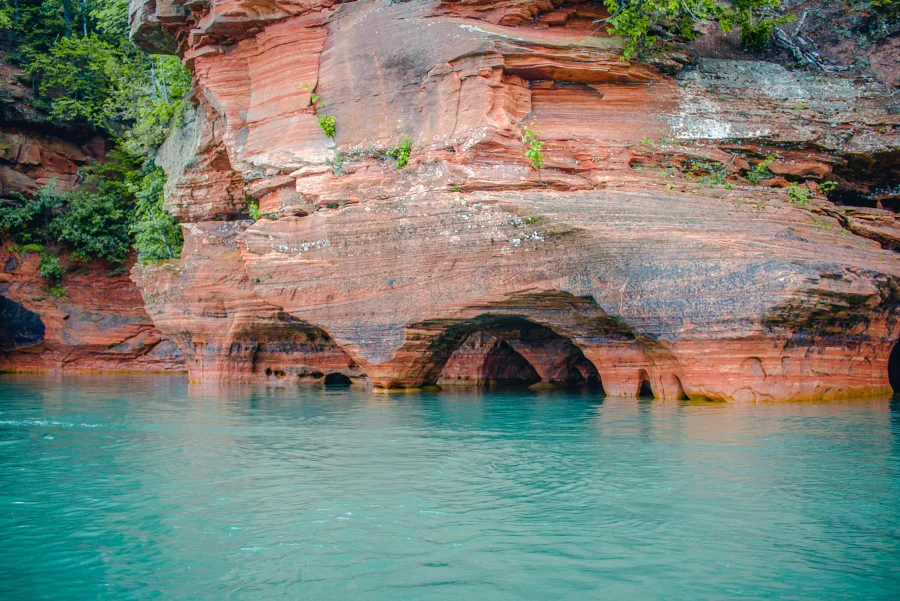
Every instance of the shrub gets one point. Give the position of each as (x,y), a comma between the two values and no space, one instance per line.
(635,19)
(93,223)
(760,171)
(825,187)
(50,267)
(157,236)
(28,220)
(533,147)
(798,194)
(401,151)
(253,209)
(327,125)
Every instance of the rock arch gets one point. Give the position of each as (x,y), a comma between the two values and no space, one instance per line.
(645,389)
(336,378)
(506,350)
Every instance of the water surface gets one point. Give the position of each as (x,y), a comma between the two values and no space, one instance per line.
(147,488)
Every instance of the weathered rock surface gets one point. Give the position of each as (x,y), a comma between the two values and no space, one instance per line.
(609,267)
(99,325)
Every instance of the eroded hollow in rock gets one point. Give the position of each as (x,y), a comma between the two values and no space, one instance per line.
(509,351)
(894,368)
(19,327)
(645,391)
(337,379)
(680,394)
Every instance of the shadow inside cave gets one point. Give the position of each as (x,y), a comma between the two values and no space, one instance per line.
(894,369)
(509,351)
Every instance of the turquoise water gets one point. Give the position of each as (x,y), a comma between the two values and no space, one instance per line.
(147,488)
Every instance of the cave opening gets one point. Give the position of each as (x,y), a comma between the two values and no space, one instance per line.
(503,366)
(336,379)
(894,368)
(645,390)
(511,351)
(855,198)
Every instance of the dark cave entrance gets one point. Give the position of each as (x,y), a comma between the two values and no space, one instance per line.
(894,368)
(645,390)
(337,379)
(510,351)
(503,366)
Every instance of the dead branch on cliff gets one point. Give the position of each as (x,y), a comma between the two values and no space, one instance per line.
(803,49)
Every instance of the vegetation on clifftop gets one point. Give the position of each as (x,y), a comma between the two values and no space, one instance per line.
(83,69)
(641,22)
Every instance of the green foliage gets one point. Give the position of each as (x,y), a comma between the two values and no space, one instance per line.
(85,69)
(50,267)
(648,142)
(253,209)
(28,221)
(95,225)
(640,21)
(325,122)
(760,171)
(401,151)
(94,222)
(798,194)
(30,248)
(327,125)
(825,187)
(533,147)
(157,236)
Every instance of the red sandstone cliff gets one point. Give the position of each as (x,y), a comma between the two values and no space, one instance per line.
(100,323)
(611,266)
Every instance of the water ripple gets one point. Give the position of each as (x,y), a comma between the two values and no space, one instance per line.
(133,488)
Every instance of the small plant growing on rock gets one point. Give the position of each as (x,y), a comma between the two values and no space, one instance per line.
(327,125)
(798,194)
(760,171)
(401,151)
(253,209)
(49,267)
(825,187)
(533,147)
(325,122)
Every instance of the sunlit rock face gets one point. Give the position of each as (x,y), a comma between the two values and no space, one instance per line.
(625,264)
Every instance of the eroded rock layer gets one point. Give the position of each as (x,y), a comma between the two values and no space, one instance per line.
(649,255)
(98,325)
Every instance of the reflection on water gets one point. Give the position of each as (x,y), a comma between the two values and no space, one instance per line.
(137,488)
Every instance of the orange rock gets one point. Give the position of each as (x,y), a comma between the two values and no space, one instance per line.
(98,325)
(624,260)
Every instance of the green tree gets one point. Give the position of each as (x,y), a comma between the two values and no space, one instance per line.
(85,69)
(638,21)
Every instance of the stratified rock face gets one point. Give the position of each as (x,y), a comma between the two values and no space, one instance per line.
(99,325)
(606,268)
